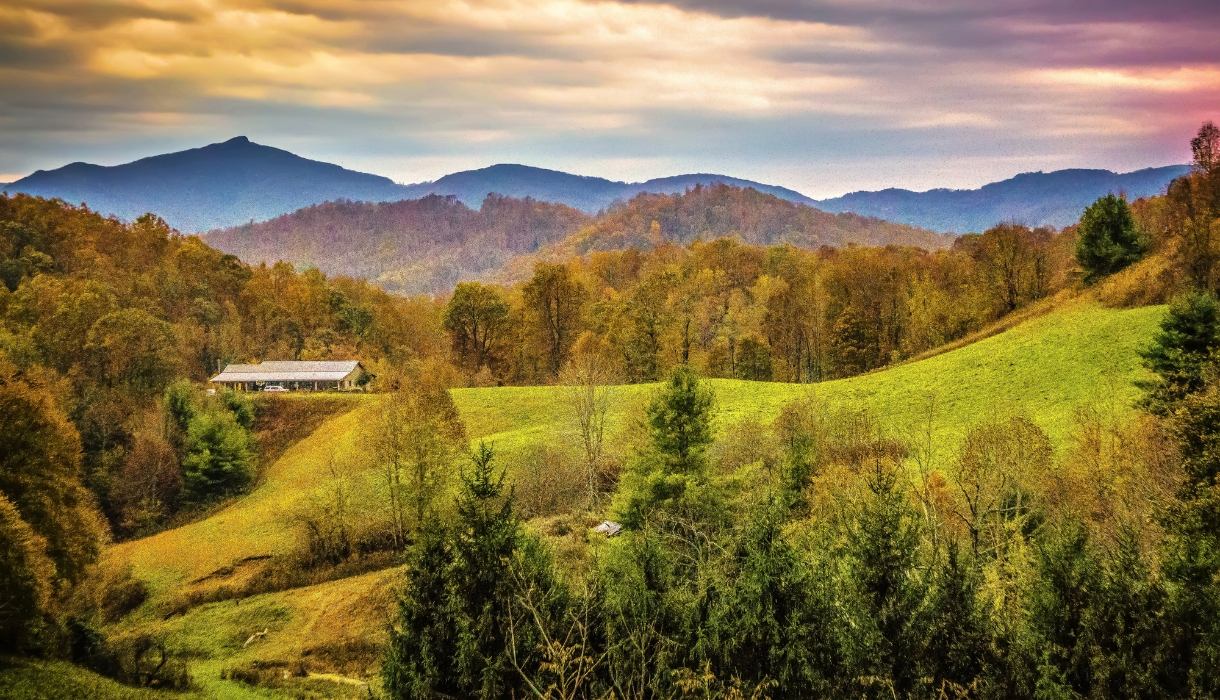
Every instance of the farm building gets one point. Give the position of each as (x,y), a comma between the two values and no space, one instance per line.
(318,376)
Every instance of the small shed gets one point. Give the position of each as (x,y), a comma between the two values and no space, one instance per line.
(316,375)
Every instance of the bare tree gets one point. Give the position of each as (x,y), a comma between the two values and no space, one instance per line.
(999,470)
(568,662)
(589,395)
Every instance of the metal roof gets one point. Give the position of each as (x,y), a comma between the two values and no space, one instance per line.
(295,371)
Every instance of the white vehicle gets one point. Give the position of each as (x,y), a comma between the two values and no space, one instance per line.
(274,387)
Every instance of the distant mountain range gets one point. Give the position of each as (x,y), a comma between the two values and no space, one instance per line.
(1034,199)
(588,194)
(220,185)
(238,181)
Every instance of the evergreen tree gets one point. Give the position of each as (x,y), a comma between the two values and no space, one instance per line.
(219,458)
(1192,552)
(774,619)
(680,420)
(1061,603)
(672,472)
(419,660)
(1130,634)
(464,629)
(958,648)
(1182,351)
(884,592)
(1108,239)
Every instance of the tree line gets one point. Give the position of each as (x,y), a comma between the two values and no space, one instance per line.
(734,310)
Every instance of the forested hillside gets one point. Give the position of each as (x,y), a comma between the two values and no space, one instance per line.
(424,245)
(744,311)
(428,245)
(98,318)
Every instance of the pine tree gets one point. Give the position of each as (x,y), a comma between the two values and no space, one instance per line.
(1108,240)
(463,629)
(1183,349)
(884,592)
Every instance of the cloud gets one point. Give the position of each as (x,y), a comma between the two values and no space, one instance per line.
(821,96)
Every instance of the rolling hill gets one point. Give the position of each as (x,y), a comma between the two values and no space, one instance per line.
(430,244)
(411,246)
(1034,199)
(1045,368)
(588,194)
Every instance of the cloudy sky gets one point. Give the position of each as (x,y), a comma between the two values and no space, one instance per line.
(822,96)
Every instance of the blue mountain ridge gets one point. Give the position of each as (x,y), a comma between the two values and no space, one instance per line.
(238,181)
(1034,199)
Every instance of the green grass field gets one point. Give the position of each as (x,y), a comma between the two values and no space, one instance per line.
(1045,369)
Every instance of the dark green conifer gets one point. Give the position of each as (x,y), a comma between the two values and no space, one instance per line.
(1108,239)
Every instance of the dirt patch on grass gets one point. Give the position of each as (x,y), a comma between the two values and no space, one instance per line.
(266,574)
(283,421)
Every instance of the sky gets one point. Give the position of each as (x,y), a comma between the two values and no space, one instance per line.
(823,97)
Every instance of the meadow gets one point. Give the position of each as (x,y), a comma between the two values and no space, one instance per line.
(1045,369)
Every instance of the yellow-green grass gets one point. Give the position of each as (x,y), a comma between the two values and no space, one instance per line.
(40,679)
(1046,368)
(302,623)
(257,524)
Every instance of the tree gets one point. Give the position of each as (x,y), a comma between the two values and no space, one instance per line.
(589,395)
(1183,349)
(554,301)
(219,459)
(1108,239)
(458,631)
(680,420)
(1062,601)
(1013,262)
(1000,465)
(411,440)
(132,348)
(1206,148)
(883,597)
(671,472)
(40,474)
(476,318)
(25,580)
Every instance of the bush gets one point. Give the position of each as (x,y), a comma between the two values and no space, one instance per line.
(548,482)
(121,594)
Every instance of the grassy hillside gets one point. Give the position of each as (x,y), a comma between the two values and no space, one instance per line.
(1045,368)
(39,679)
